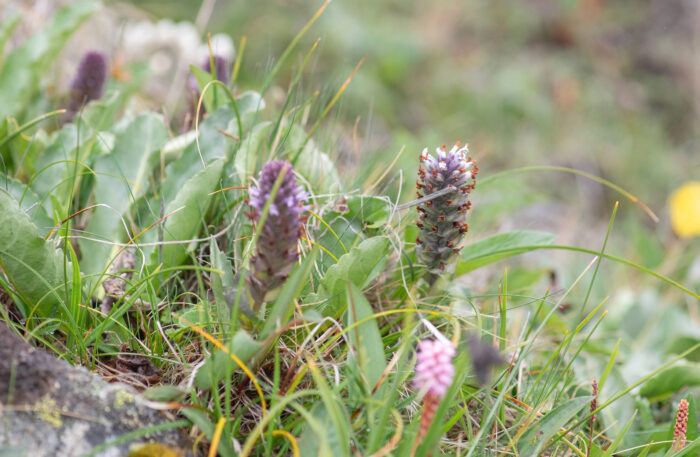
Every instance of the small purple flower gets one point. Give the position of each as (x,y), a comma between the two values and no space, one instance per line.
(277,250)
(442,219)
(89,81)
(434,368)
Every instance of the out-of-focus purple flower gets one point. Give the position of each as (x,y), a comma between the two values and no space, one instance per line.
(434,368)
(484,358)
(88,83)
(451,175)
(277,250)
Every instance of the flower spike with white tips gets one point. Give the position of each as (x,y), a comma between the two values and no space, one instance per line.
(451,175)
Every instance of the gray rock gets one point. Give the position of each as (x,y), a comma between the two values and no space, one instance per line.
(50,408)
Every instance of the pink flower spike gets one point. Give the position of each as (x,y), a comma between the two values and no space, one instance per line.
(434,369)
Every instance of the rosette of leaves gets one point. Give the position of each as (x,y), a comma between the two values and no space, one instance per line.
(446,180)
(277,248)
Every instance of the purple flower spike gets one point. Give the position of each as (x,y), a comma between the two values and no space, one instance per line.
(442,219)
(277,250)
(434,369)
(89,81)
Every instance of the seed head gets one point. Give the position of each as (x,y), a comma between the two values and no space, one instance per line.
(451,175)
(276,251)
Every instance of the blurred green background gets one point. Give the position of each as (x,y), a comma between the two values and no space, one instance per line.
(607,87)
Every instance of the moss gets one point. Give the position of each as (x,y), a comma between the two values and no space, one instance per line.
(48,411)
(122,397)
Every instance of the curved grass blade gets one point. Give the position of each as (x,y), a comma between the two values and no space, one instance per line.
(574,171)
(523,249)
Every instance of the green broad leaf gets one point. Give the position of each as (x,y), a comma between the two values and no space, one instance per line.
(283,308)
(312,315)
(543,429)
(198,315)
(29,202)
(318,169)
(188,210)
(346,233)
(361,265)
(249,102)
(372,211)
(220,282)
(220,364)
(312,163)
(522,279)
(21,74)
(123,177)
(681,343)
(671,380)
(164,393)
(249,156)
(62,164)
(101,114)
(174,147)
(212,145)
(499,247)
(34,266)
(365,338)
